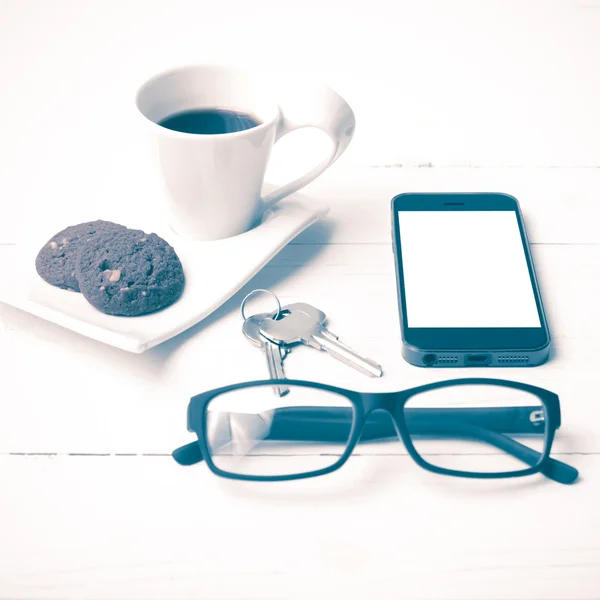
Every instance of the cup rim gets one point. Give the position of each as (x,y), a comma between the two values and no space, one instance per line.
(185,135)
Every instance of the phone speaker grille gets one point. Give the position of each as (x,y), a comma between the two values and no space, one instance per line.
(513,358)
(447,359)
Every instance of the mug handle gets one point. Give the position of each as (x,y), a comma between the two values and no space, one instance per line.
(318,106)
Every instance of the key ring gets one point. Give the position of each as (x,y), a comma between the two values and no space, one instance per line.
(256,292)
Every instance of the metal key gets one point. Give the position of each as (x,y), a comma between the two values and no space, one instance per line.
(274,353)
(304,323)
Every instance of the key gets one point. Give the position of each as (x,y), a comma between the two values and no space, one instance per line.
(274,353)
(304,323)
(321,317)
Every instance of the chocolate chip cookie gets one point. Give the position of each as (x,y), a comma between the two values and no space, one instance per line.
(129,273)
(55,262)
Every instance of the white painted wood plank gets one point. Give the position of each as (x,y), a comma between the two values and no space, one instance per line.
(431,82)
(94,407)
(460,82)
(65,393)
(142,527)
(569,276)
(559,205)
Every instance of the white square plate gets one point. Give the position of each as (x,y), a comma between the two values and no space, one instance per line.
(214,272)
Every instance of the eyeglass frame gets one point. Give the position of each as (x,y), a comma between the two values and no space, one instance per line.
(393,403)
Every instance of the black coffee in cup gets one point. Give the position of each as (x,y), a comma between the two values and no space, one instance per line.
(210,121)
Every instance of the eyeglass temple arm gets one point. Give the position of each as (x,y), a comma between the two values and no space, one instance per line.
(331,423)
(187,455)
(553,469)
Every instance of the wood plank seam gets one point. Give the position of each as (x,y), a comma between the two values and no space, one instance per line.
(354,454)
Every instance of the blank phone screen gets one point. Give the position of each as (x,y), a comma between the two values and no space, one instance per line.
(465,269)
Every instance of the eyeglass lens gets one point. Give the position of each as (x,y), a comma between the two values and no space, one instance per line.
(251,431)
(472,428)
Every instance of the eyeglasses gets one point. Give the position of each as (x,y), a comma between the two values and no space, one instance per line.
(480,428)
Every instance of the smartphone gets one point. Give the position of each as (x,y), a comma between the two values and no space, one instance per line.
(467,290)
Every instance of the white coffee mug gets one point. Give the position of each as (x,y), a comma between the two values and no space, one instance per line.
(214,182)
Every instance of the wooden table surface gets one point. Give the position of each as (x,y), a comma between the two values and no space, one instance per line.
(91,503)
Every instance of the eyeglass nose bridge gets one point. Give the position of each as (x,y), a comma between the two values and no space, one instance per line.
(386,402)
(380,401)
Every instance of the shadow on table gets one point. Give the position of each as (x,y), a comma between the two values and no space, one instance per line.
(368,475)
(360,477)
